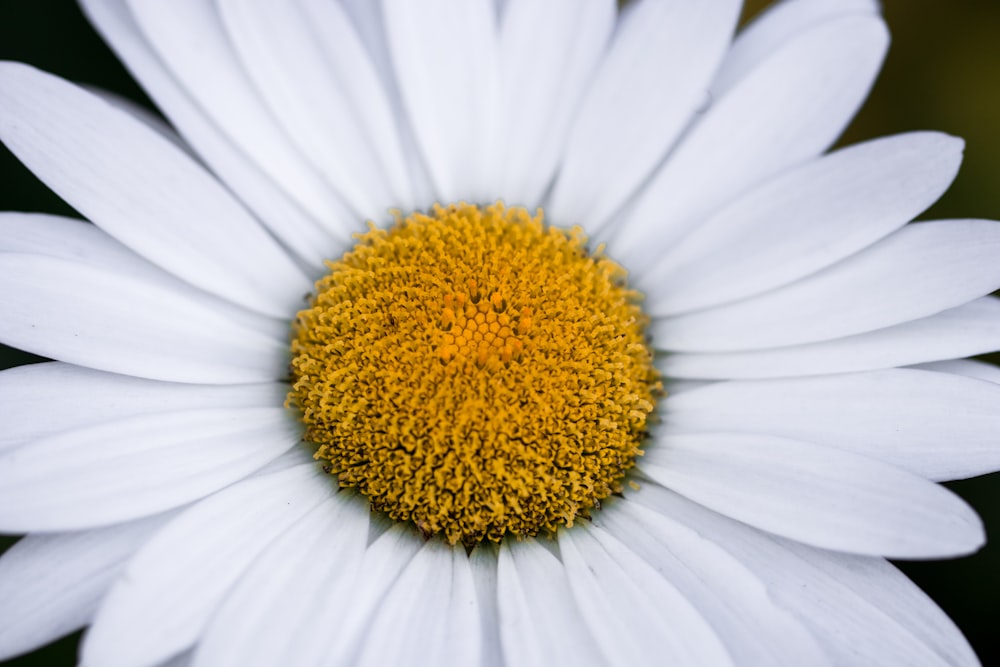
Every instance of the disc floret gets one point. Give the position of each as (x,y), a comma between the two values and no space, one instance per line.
(475,371)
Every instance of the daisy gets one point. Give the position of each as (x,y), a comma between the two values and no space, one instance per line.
(487,333)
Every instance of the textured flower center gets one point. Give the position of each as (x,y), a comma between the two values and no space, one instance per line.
(476,372)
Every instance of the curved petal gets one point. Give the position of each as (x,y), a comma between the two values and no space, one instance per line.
(133,467)
(777,25)
(548,53)
(366,17)
(44,399)
(540,623)
(817,495)
(282,607)
(68,238)
(111,321)
(190,40)
(277,209)
(885,587)
(384,562)
(51,584)
(360,72)
(920,270)
(971,329)
(452,100)
(143,115)
(805,220)
(175,214)
(861,609)
(936,425)
(79,241)
(431,611)
(789,109)
(645,92)
(732,599)
(323,106)
(164,598)
(632,611)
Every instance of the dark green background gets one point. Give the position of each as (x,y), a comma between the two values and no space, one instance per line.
(942,73)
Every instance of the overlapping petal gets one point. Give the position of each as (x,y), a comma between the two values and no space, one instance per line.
(169,590)
(919,271)
(937,425)
(52,583)
(127,468)
(821,496)
(788,109)
(308,235)
(174,213)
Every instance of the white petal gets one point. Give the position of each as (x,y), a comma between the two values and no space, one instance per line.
(633,612)
(141,114)
(936,425)
(971,329)
(861,609)
(79,241)
(295,456)
(189,38)
(48,398)
(777,25)
(323,105)
(185,659)
(548,53)
(366,16)
(818,495)
(276,208)
(175,214)
(282,608)
(920,270)
(114,322)
(67,238)
(385,560)
(732,599)
(450,87)
(374,98)
(136,466)
(787,110)
(51,584)
(483,562)
(803,221)
(680,386)
(880,583)
(430,615)
(540,624)
(966,368)
(167,592)
(652,81)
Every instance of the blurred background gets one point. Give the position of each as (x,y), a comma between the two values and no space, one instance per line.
(943,73)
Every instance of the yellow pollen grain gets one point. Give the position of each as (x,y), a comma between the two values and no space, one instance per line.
(475,371)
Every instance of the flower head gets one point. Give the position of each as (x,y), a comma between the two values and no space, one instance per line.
(493,333)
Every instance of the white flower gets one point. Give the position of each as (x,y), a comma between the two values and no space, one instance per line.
(168,501)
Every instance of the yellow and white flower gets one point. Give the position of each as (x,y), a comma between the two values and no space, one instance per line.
(561,472)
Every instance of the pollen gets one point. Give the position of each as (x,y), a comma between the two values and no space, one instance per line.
(475,371)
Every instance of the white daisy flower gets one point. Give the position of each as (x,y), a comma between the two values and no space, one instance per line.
(542,463)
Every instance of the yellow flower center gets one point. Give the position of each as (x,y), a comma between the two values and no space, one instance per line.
(475,371)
